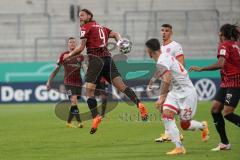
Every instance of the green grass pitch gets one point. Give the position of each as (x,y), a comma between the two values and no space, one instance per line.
(33,132)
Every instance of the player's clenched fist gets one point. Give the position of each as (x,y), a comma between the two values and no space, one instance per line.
(195,68)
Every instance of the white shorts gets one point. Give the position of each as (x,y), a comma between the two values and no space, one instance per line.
(184,107)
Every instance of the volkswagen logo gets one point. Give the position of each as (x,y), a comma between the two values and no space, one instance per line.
(206,89)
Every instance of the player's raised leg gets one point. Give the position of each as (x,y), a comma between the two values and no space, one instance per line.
(229,114)
(120,85)
(188,107)
(103,97)
(194,125)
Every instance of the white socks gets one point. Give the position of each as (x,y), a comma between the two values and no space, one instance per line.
(196,126)
(172,130)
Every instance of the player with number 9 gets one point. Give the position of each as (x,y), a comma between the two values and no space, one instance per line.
(95,38)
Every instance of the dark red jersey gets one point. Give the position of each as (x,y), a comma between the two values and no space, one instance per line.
(97,39)
(230,73)
(72,69)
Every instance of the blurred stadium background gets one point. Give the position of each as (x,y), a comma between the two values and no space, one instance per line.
(33,34)
(35,30)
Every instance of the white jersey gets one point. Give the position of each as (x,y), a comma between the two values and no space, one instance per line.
(173,48)
(181,85)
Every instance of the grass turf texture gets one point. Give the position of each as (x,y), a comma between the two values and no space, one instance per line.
(32,131)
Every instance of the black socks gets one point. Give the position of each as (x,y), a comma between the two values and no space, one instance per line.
(131,95)
(232,117)
(92,104)
(74,111)
(220,126)
(103,107)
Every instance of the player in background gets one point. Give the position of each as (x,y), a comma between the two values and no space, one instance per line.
(95,38)
(175,49)
(180,99)
(72,80)
(227,97)
(170,46)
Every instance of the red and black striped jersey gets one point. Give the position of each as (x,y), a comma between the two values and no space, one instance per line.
(72,68)
(97,39)
(230,73)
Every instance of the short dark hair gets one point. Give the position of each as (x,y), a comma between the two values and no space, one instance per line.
(167,25)
(70,38)
(88,12)
(230,31)
(153,44)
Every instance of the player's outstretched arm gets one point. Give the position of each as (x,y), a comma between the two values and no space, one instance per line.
(115,35)
(77,50)
(212,67)
(52,76)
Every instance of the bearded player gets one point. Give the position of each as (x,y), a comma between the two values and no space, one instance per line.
(95,37)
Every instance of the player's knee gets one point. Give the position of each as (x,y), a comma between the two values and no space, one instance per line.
(74,100)
(168,114)
(122,87)
(90,89)
(119,84)
(90,86)
(227,110)
(185,124)
(216,107)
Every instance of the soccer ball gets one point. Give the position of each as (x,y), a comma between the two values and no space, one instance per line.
(125,46)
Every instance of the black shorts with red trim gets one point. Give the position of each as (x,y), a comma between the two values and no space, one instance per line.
(228,96)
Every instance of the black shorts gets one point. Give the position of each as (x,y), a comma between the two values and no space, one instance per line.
(228,96)
(73,90)
(101,66)
(101,89)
